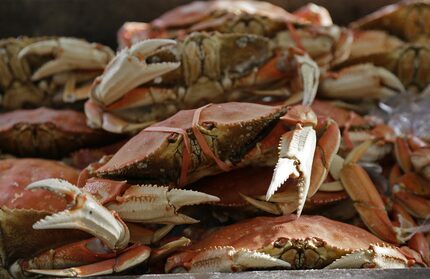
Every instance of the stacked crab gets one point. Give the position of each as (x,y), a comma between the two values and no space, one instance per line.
(214,103)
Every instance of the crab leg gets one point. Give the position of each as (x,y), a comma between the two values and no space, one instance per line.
(367,200)
(83,213)
(227,259)
(129,69)
(152,204)
(350,83)
(69,53)
(379,256)
(89,258)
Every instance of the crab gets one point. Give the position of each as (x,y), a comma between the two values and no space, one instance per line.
(221,137)
(116,245)
(393,38)
(239,189)
(191,73)
(287,242)
(45,71)
(250,17)
(48,133)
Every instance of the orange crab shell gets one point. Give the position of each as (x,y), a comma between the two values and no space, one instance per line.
(149,154)
(262,232)
(16,174)
(20,208)
(47,132)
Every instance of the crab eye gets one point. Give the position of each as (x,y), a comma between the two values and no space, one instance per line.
(208,125)
(172,138)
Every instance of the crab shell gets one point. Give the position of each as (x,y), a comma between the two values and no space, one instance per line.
(251,17)
(407,19)
(157,156)
(47,133)
(305,242)
(48,71)
(21,208)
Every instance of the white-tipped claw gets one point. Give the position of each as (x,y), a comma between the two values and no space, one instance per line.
(296,155)
(309,74)
(227,259)
(129,69)
(83,213)
(152,204)
(361,81)
(69,54)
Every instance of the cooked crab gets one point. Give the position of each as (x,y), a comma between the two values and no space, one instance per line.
(48,133)
(156,78)
(216,138)
(48,71)
(287,242)
(116,246)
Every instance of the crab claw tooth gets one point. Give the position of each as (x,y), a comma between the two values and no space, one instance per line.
(148,47)
(129,69)
(296,154)
(179,198)
(70,54)
(152,204)
(84,213)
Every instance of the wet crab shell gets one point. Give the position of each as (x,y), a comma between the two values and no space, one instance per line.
(148,155)
(305,242)
(20,208)
(47,133)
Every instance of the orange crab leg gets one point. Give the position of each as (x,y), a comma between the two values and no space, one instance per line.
(403,154)
(327,147)
(367,201)
(418,241)
(89,256)
(413,182)
(417,206)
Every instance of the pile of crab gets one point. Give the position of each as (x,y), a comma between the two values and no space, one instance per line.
(222,136)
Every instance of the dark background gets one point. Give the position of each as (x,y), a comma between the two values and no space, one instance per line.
(99,20)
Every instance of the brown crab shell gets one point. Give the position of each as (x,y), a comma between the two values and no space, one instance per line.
(230,129)
(407,19)
(20,208)
(266,233)
(47,133)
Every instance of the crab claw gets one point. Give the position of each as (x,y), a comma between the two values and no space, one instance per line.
(152,204)
(227,259)
(296,154)
(69,53)
(83,213)
(129,69)
(350,84)
(309,75)
(379,256)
